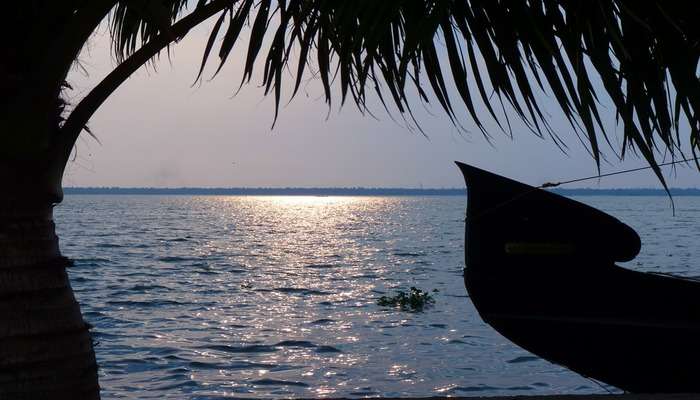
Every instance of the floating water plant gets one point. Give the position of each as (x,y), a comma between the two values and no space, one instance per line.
(413,300)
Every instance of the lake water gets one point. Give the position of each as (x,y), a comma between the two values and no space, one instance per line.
(266,297)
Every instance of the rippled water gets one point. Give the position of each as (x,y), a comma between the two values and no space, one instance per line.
(211,297)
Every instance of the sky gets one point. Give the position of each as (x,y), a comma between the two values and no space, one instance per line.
(158,130)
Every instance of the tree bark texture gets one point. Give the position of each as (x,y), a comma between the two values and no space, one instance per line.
(46,349)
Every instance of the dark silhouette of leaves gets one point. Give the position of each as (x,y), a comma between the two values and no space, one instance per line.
(645,54)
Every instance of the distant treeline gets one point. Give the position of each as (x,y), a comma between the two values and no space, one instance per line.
(269,191)
(354,191)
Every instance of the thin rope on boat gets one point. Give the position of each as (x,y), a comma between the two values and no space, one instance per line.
(555,184)
(548,185)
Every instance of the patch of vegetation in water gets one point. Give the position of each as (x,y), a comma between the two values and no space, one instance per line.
(413,300)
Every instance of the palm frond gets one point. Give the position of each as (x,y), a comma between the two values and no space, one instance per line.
(134,23)
(644,53)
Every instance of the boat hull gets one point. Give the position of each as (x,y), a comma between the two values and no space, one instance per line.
(540,269)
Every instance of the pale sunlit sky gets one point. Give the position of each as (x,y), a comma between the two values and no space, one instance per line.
(159,131)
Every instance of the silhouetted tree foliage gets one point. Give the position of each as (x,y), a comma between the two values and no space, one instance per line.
(645,53)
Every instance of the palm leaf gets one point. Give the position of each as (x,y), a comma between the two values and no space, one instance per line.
(644,54)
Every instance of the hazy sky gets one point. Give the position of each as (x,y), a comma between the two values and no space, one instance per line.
(158,130)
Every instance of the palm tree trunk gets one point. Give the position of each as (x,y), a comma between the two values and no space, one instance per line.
(46,350)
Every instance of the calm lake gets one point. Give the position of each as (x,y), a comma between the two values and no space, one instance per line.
(207,297)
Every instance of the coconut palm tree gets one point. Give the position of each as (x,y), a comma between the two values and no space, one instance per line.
(645,54)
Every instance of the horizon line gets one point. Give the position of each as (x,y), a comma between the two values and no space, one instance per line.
(348,191)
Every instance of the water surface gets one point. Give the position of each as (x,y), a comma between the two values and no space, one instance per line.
(209,297)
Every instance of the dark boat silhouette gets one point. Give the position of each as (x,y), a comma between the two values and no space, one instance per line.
(540,269)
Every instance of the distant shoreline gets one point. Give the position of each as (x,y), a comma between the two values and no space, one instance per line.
(352,191)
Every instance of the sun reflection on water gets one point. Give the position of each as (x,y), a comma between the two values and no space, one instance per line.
(303,248)
(309,200)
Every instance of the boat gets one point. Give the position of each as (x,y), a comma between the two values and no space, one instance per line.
(540,269)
